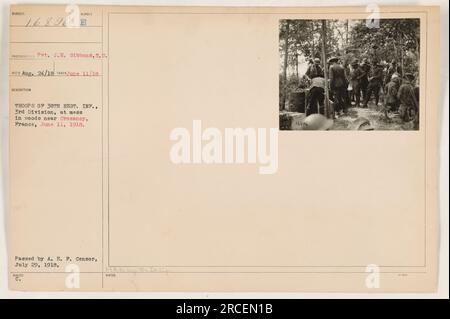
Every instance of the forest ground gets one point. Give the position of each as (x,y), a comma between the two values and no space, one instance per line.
(376,117)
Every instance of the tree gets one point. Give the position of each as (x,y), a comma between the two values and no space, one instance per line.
(395,39)
(300,40)
(285,35)
(325,71)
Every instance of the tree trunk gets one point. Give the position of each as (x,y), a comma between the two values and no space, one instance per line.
(286,49)
(313,49)
(325,69)
(346,33)
(401,56)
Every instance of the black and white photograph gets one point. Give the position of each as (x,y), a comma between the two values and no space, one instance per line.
(349,74)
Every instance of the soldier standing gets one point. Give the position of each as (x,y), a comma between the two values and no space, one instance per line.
(392,69)
(315,70)
(391,101)
(409,108)
(375,83)
(356,76)
(365,66)
(316,96)
(350,93)
(338,84)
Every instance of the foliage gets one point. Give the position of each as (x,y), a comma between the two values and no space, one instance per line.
(397,39)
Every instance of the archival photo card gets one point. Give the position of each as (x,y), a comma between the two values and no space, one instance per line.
(349,74)
(147,154)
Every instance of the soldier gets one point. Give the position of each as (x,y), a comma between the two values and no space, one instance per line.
(417,95)
(392,69)
(316,96)
(375,83)
(364,83)
(315,70)
(356,75)
(338,84)
(391,101)
(409,108)
(350,93)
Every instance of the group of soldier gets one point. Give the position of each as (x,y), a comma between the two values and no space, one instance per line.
(358,82)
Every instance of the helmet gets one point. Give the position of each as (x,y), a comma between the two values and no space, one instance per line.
(317,122)
(396,79)
(362,124)
(409,76)
(333,59)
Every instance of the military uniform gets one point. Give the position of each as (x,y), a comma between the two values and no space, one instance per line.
(364,83)
(407,99)
(392,102)
(338,84)
(375,83)
(355,79)
(314,70)
(316,96)
(390,71)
